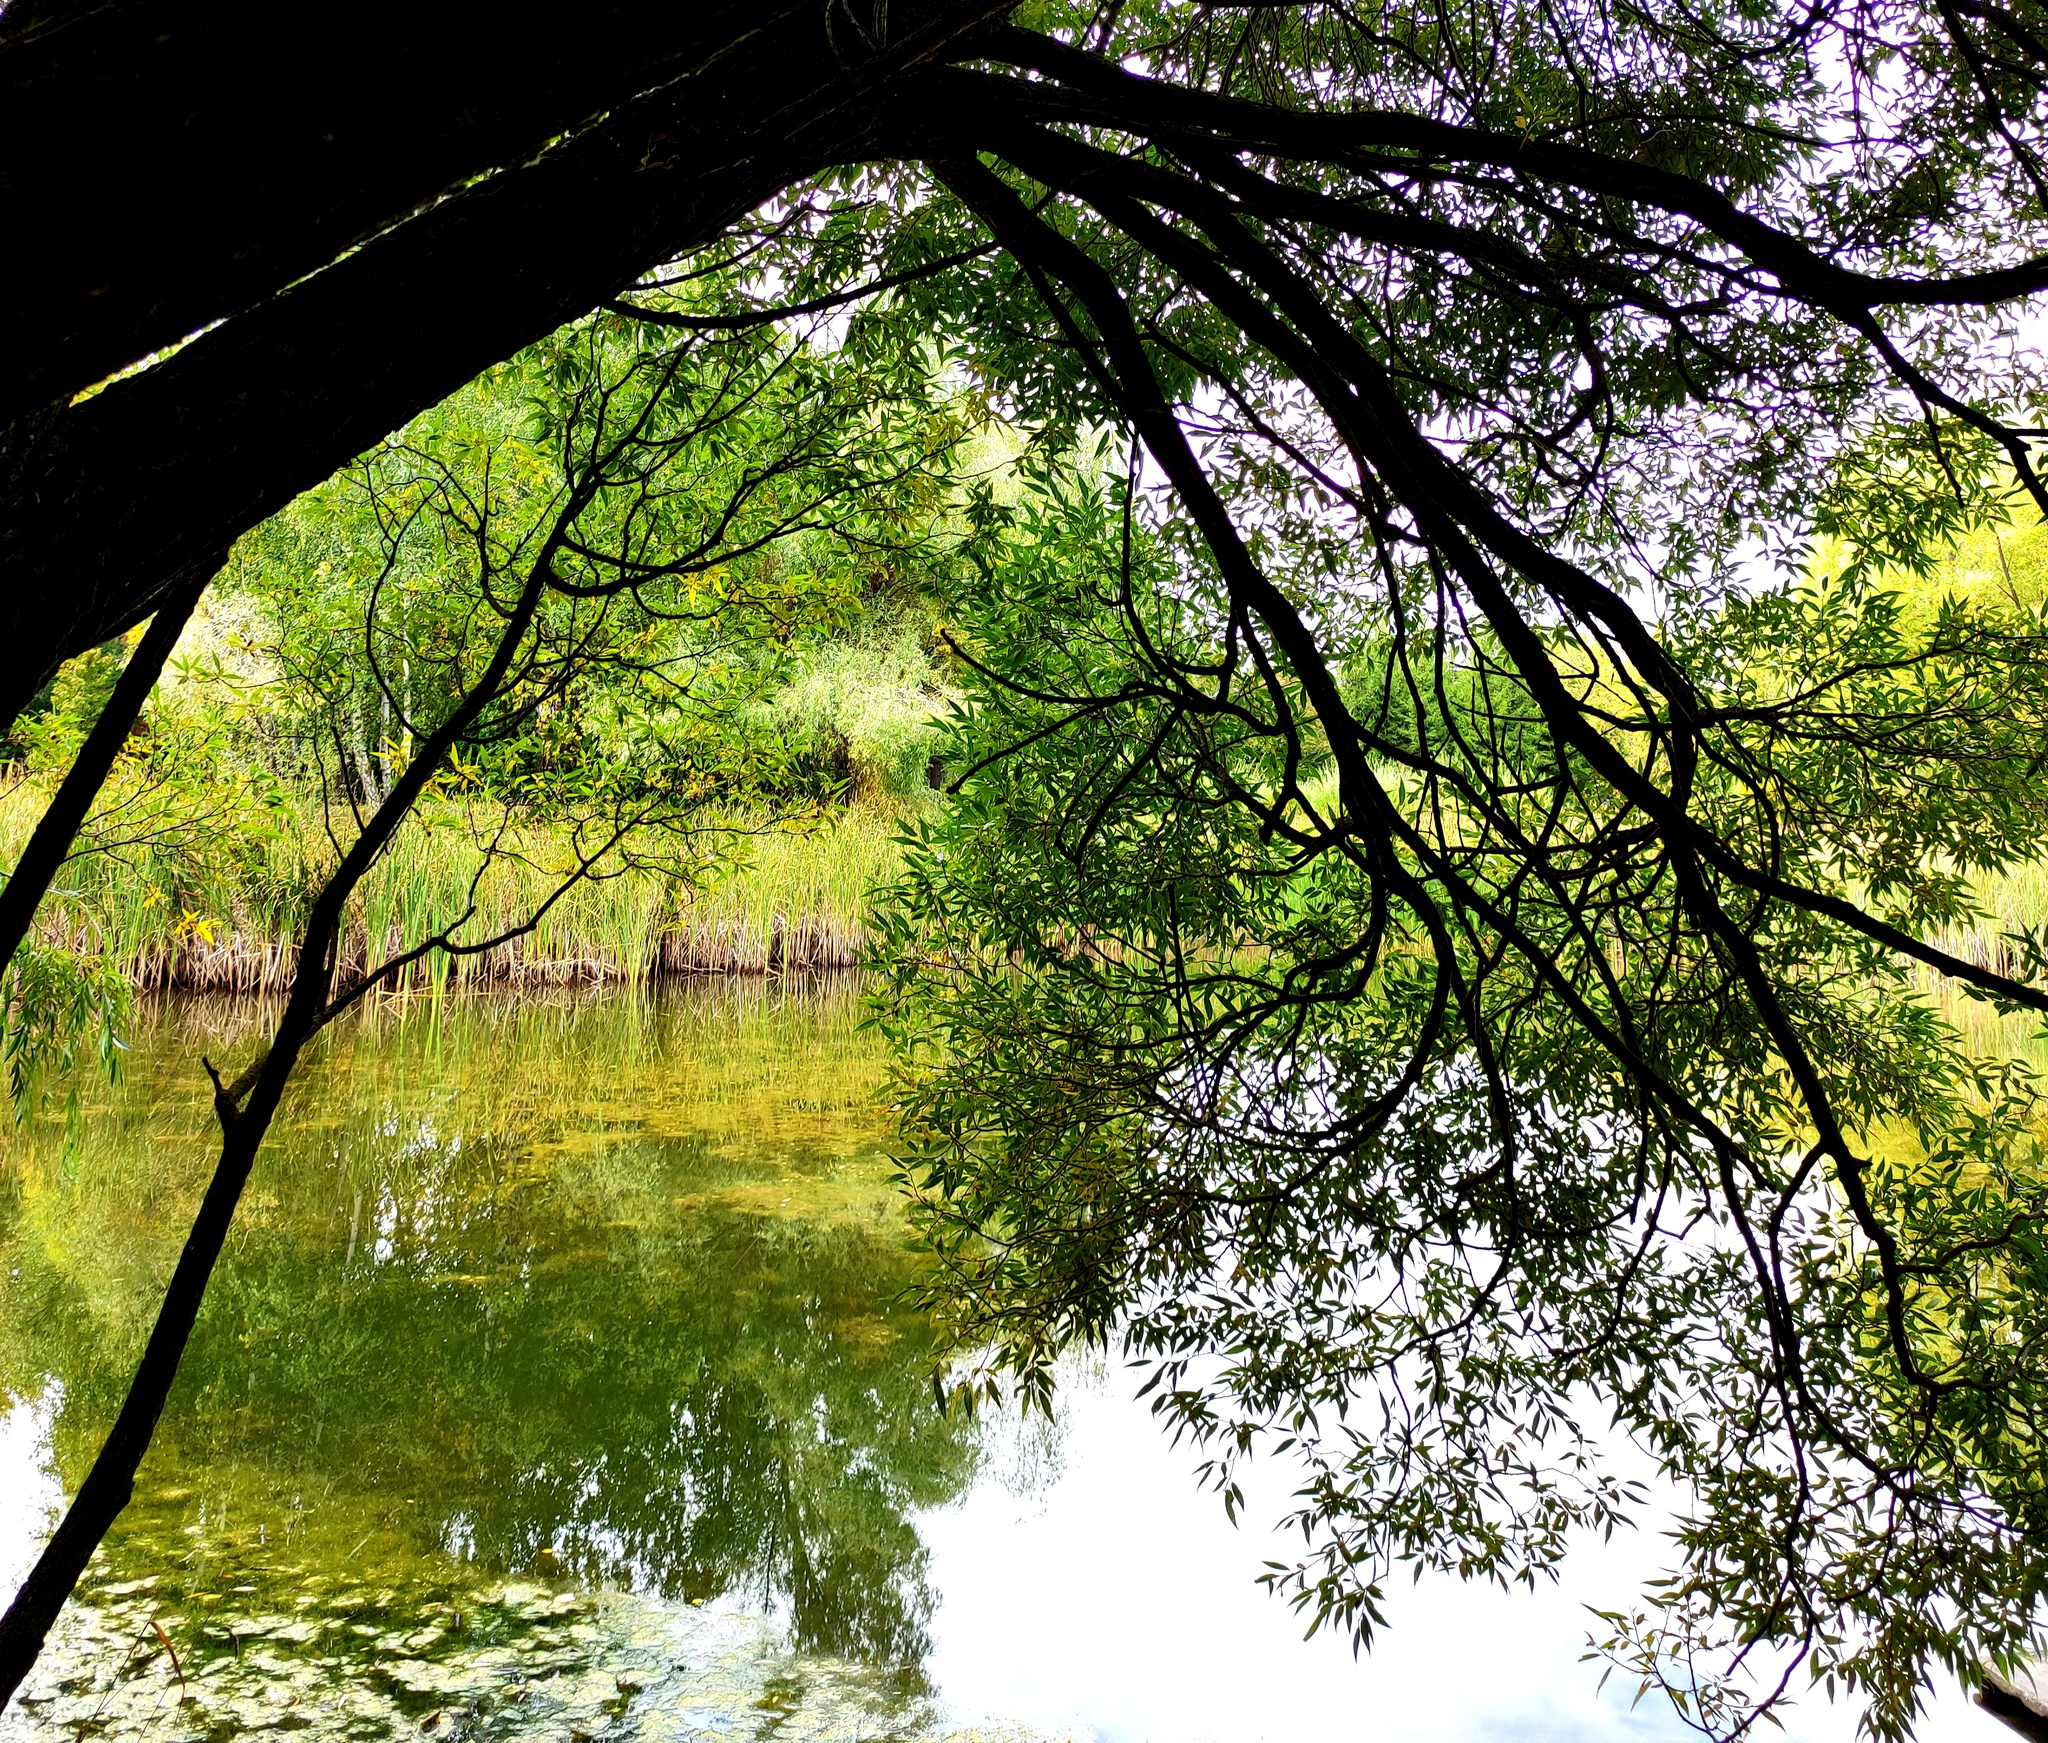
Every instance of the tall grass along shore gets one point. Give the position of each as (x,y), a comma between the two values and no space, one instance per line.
(219,914)
(216,910)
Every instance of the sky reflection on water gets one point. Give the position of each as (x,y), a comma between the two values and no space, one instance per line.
(555,1384)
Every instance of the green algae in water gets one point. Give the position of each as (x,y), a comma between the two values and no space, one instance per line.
(555,1382)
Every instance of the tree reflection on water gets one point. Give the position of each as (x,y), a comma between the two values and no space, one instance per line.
(599,1292)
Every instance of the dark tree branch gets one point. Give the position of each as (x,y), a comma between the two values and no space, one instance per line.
(788,311)
(48,847)
(103,505)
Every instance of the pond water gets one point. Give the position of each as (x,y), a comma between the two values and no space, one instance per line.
(557,1384)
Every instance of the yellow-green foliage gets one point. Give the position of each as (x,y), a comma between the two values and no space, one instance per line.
(2008,563)
(1999,563)
(209,903)
(2012,901)
(1996,566)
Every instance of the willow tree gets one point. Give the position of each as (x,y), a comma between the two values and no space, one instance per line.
(254,249)
(565,589)
(1468,880)
(1435,947)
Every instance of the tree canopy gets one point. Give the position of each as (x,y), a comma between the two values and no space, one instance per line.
(1456,816)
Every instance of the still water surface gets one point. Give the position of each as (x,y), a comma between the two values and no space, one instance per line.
(556,1384)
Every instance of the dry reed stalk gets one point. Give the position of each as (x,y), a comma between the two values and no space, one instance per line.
(215,922)
(2013,901)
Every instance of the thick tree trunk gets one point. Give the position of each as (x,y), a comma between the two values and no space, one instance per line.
(110,498)
(171,163)
(2020,1701)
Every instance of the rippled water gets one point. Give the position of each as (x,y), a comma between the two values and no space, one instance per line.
(555,1371)
(556,1384)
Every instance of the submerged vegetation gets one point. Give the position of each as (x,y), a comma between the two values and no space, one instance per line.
(639,1263)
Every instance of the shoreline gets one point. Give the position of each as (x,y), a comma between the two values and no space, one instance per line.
(187,916)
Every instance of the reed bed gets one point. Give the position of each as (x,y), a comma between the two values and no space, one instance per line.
(213,905)
(215,908)
(2012,901)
